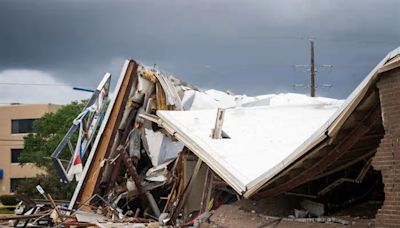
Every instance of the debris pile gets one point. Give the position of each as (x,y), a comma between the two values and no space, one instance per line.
(165,153)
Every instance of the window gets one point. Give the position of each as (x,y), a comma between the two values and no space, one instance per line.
(14,183)
(22,126)
(15,154)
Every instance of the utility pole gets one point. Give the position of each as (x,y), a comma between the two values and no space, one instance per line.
(312,70)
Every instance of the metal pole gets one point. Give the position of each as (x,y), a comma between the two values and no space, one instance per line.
(312,70)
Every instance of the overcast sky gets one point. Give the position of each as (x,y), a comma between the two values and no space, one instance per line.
(246,47)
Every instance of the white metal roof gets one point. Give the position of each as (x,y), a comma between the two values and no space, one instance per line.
(260,138)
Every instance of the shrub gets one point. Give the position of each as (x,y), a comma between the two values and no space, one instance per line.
(8,200)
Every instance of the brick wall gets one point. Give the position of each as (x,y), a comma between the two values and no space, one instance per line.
(387,158)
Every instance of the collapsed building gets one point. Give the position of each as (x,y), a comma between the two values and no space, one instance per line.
(170,154)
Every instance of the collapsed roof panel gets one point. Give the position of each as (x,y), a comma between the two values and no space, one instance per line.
(257,139)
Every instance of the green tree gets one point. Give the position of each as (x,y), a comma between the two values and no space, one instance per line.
(48,132)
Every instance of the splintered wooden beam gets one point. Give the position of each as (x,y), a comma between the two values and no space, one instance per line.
(363,171)
(348,164)
(206,195)
(334,185)
(338,182)
(131,170)
(161,99)
(186,192)
(345,145)
(92,176)
(125,134)
(217,132)
(208,183)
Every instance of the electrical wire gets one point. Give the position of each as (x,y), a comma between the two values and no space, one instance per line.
(33,84)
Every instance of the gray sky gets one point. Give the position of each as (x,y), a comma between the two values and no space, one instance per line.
(243,46)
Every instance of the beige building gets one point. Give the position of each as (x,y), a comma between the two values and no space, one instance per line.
(15,122)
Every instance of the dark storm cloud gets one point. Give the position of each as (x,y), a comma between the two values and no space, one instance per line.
(244,46)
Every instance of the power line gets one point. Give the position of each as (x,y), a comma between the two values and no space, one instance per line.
(33,84)
(321,39)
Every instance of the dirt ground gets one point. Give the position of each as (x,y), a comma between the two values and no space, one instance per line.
(248,214)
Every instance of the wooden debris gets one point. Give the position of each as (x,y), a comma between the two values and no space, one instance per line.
(186,192)
(217,132)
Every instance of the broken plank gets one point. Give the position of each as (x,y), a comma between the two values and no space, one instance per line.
(87,185)
(186,192)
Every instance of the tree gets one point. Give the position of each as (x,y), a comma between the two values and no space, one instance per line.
(48,132)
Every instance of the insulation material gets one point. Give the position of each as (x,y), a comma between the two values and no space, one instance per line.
(144,87)
(210,99)
(161,148)
(245,101)
(194,100)
(158,173)
(222,98)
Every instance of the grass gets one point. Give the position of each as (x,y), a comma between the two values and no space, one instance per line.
(6,210)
